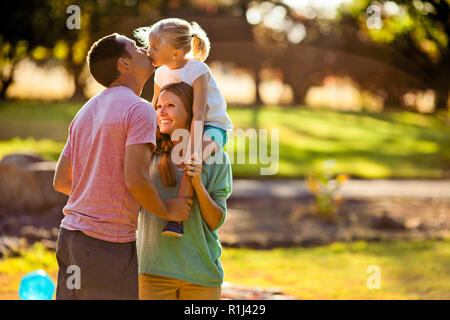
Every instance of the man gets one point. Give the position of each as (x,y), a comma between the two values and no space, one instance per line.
(104,168)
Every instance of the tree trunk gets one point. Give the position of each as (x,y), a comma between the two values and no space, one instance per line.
(258,100)
(393,101)
(300,92)
(7,81)
(299,87)
(5,84)
(78,94)
(441,99)
(80,84)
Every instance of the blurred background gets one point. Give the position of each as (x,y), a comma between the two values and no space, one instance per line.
(359,91)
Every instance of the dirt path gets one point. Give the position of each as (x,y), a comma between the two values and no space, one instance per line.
(271,213)
(279,188)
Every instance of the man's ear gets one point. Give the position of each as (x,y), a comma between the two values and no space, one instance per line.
(123,64)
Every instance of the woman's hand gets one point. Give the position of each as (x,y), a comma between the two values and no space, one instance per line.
(211,212)
(194,170)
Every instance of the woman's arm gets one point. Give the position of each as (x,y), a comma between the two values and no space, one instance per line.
(211,212)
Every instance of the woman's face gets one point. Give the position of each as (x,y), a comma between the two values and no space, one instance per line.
(171,113)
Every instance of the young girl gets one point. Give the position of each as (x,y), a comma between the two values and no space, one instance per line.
(179,48)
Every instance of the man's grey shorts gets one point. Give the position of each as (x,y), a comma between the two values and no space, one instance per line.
(107,270)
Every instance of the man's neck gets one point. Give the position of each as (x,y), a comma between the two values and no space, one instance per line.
(132,83)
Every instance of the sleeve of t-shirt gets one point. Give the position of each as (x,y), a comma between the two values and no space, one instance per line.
(67,150)
(197,70)
(221,186)
(141,124)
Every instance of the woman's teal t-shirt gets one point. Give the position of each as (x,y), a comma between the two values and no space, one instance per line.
(195,256)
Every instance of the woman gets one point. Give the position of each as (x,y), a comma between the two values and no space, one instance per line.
(186,268)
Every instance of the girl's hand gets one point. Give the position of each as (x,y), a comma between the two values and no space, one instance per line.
(194,170)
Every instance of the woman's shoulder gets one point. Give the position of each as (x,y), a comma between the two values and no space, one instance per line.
(219,175)
(217,161)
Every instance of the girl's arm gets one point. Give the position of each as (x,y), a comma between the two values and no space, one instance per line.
(156,91)
(200,87)
(211,212)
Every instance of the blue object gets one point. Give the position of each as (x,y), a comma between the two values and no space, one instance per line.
(36,285)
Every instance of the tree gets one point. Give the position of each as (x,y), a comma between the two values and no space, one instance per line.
(42,26)
(18,39)
(419,30)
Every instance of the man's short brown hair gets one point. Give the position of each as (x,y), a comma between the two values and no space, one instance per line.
(102,59)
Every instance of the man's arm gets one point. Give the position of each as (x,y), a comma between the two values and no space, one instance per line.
(137,179)
(62,181)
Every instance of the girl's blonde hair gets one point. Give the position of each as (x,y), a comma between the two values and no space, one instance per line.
(182,35)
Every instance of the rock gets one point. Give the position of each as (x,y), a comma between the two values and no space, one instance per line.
(21,159)
(10,224)
(55,233)
(12,246)
(49,244)
(27,184)
(32,233)
(388,223)
(413,223)
(43,173)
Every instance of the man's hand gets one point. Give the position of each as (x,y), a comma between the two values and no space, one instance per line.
(178,209)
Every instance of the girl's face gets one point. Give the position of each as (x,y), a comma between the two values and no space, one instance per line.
(171,113)
(159,50)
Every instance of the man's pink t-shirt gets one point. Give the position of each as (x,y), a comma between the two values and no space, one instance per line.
(100,205)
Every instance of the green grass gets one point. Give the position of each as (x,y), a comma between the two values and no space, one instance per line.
(41,120)
(382,145)
(409,270)
(386,145)
(48,149)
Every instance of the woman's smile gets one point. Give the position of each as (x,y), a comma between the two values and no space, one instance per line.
(165,124)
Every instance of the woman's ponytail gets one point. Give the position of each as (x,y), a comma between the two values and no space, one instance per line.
(165,166)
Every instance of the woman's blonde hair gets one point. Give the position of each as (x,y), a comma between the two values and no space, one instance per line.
(182,35)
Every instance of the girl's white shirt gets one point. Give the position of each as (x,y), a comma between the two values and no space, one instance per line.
(216,106)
